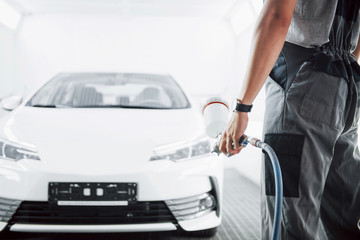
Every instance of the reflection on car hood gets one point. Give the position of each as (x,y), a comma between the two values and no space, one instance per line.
(68,135)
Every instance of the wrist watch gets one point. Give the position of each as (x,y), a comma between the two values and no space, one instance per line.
(242,107)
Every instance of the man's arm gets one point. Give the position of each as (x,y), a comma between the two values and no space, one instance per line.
(268,40)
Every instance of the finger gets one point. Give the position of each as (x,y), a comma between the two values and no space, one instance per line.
(236,143)
(234,146)
(229,147)
(237,151)
(222,145)
(233,152)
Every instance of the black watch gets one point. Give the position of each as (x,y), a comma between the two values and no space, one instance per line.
(242,107)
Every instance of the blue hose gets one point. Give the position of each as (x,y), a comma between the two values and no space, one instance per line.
(278,178)
(278,188)
(278,181)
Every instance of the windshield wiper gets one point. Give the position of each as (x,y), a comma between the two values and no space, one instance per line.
(48,106)
(100,106)
(119,106)
(43,106)
(143,107)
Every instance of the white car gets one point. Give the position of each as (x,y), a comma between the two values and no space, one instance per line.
(107,152)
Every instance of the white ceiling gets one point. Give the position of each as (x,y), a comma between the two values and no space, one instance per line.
(201,8)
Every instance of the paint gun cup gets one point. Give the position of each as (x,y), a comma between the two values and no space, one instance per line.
(216,116)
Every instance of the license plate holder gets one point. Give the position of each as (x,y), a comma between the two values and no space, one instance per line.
(88,193)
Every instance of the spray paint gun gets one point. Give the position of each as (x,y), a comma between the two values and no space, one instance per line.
(216,118)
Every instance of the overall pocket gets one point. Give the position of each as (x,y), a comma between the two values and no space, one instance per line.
(288,148)
(325,99)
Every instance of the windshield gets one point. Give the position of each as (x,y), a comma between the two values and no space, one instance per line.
(129,90)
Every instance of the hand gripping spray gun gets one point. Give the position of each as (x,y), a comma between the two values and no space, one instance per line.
(215,114)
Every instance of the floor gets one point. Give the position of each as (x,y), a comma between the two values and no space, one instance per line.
(241,218)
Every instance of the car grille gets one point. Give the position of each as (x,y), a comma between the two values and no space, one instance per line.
(8,208)
(46,213)
(192,207)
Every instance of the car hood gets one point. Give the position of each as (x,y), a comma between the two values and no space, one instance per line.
(89,136)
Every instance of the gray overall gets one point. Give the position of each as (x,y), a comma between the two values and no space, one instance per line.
(311,121)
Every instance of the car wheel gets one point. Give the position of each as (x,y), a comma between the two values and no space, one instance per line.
(207,233)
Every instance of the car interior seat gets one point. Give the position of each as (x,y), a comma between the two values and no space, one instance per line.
(87,96)
(150,96)
(122,100)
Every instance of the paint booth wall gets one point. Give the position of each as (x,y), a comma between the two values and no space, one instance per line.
(7,61)
(196,51)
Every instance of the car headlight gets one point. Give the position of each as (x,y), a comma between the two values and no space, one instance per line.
(17,151)
(182,151)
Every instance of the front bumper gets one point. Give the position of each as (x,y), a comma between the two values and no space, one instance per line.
(156,180)
(164,181)
(191,214)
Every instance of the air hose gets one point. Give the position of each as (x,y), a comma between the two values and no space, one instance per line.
(277,174)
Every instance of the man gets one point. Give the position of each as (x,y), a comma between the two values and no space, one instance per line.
(312,110)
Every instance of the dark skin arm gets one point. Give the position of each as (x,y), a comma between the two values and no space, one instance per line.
(268,40)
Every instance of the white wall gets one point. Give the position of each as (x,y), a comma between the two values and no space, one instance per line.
(7,61)
(8,85)
(196,51)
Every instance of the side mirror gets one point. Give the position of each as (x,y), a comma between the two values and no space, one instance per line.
(10,103)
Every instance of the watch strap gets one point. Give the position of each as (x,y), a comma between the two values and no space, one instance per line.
(242,107)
